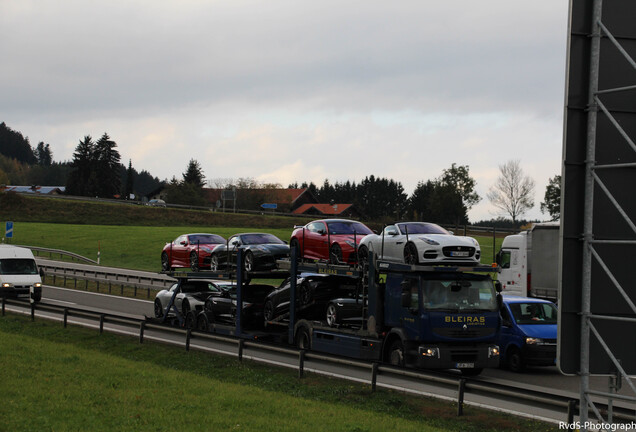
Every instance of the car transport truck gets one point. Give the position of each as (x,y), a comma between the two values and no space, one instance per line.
(529,262)
(422,316)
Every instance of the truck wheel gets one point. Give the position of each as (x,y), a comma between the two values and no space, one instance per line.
(515,360)
(158,309)
(332,315)
(303,340)
(396,353)
(194,262)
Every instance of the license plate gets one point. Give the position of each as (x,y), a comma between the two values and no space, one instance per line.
(459,254)
(465,365)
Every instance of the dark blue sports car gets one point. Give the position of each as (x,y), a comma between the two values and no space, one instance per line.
(260,252)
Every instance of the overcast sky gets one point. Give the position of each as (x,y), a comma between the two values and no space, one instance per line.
(288,90)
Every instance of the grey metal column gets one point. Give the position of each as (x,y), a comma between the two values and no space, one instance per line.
(588,210)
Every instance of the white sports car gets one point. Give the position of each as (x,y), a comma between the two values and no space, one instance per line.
(420,243)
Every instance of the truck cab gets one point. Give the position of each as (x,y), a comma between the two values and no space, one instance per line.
(513,260)
(441,320)
(528,333)
(19,275)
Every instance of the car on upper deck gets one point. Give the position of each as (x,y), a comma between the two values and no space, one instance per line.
(332,240)
(420,243)
(260,252)
(190,250)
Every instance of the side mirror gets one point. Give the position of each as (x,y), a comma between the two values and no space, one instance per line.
(498,287)
(406,299)
(42,274)
(499,301)
(183,242)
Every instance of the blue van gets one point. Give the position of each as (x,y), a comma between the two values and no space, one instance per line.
(528,333)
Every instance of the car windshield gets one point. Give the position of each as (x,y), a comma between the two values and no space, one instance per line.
(459,295)
(18,266)
(534,313)
(206,239)
(260,238)
(341,227)
(421,228)
(198,286)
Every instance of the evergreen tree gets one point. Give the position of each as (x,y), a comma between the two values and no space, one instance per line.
(194,174)
(15,146)
(107,167)
(128,191)
(81,181)
(552,198)
(43,154)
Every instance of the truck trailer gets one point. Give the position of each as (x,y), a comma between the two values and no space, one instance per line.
(431,317)
(529,262)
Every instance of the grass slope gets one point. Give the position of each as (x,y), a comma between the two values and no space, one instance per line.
(76,379)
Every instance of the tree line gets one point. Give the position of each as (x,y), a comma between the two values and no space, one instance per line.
(96,170)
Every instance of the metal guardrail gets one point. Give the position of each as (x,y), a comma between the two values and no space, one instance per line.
(463,385)
(62,253)
(123,278)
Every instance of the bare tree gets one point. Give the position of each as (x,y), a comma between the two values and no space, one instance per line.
(513,192)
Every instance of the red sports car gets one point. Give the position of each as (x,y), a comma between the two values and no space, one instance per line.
(190,250)
(334,240)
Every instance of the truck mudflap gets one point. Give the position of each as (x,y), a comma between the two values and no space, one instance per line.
(466,356)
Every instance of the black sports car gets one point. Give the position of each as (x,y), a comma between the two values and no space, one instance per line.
(260,252)
(314,291)
(222,309)
(345,310)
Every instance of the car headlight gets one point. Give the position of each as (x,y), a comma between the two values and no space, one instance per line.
(261,248)
(429,351)
(37,285)
(351,243)
(534,341)
(6,285)
(206,249)
(429,241)
(475,242)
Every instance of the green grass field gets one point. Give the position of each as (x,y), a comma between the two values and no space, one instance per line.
(76,379)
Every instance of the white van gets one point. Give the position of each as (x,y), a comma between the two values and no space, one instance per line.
(19,276)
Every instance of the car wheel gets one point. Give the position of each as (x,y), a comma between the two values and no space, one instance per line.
(304,294)
(293,244)
(194,262)
(410,254)
(248,262)
(185,307)
(335,254)
(158,309)
(303,340)
(203,323)
(190,320)
(332,315)
(214,262)
(363,255)
(515,360)
(268,310)
(165,262)
(396,354)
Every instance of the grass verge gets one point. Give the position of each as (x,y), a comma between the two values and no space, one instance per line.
(76,379)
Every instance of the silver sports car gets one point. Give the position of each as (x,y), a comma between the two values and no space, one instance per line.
(190,295)
(420,243)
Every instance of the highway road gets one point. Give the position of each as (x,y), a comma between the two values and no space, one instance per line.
(541,379)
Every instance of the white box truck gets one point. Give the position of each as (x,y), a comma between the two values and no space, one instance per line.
(19,275)
(529,262)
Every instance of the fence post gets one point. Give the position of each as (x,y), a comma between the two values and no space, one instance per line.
(3,304)
(301,363)
(374,375)
(142,327)
(101,323)
(188,336)
(240,349)
(65,316)
(460,397)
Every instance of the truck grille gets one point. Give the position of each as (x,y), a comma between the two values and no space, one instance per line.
(463,356)
(460,333)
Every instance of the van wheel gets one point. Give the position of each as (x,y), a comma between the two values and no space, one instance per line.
(396,353)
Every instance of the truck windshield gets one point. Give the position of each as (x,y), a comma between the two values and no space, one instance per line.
(459,295)
(18,266)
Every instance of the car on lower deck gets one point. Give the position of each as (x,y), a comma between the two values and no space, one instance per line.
(528,335)
(189,295)
(420,243)
(190,250)
(222,309)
